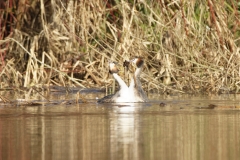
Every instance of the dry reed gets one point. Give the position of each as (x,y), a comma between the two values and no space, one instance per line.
(188,46)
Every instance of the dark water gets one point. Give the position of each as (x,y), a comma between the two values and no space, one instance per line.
(182,127)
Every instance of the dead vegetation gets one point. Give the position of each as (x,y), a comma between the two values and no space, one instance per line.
(188,46)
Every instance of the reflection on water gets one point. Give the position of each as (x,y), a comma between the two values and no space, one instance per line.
(127,131)
(125,122)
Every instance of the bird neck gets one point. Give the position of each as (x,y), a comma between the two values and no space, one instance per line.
(136,78)
(138,72)
(121,83)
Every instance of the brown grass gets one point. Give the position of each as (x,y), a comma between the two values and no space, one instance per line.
(188,46)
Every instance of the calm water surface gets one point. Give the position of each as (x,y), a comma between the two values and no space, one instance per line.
(180,129)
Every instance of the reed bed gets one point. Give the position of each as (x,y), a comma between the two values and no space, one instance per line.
(188,46)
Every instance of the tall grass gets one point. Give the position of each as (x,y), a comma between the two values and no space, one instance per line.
(188,46)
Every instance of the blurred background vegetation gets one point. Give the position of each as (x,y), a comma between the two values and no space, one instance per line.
(188,46)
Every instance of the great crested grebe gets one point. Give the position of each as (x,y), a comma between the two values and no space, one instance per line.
(122,94)
(133,93)
(135,88)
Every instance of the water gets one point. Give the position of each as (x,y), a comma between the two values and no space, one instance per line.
(182,127)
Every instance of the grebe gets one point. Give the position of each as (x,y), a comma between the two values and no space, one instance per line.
(133,93)
(135,88)
(122,94)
